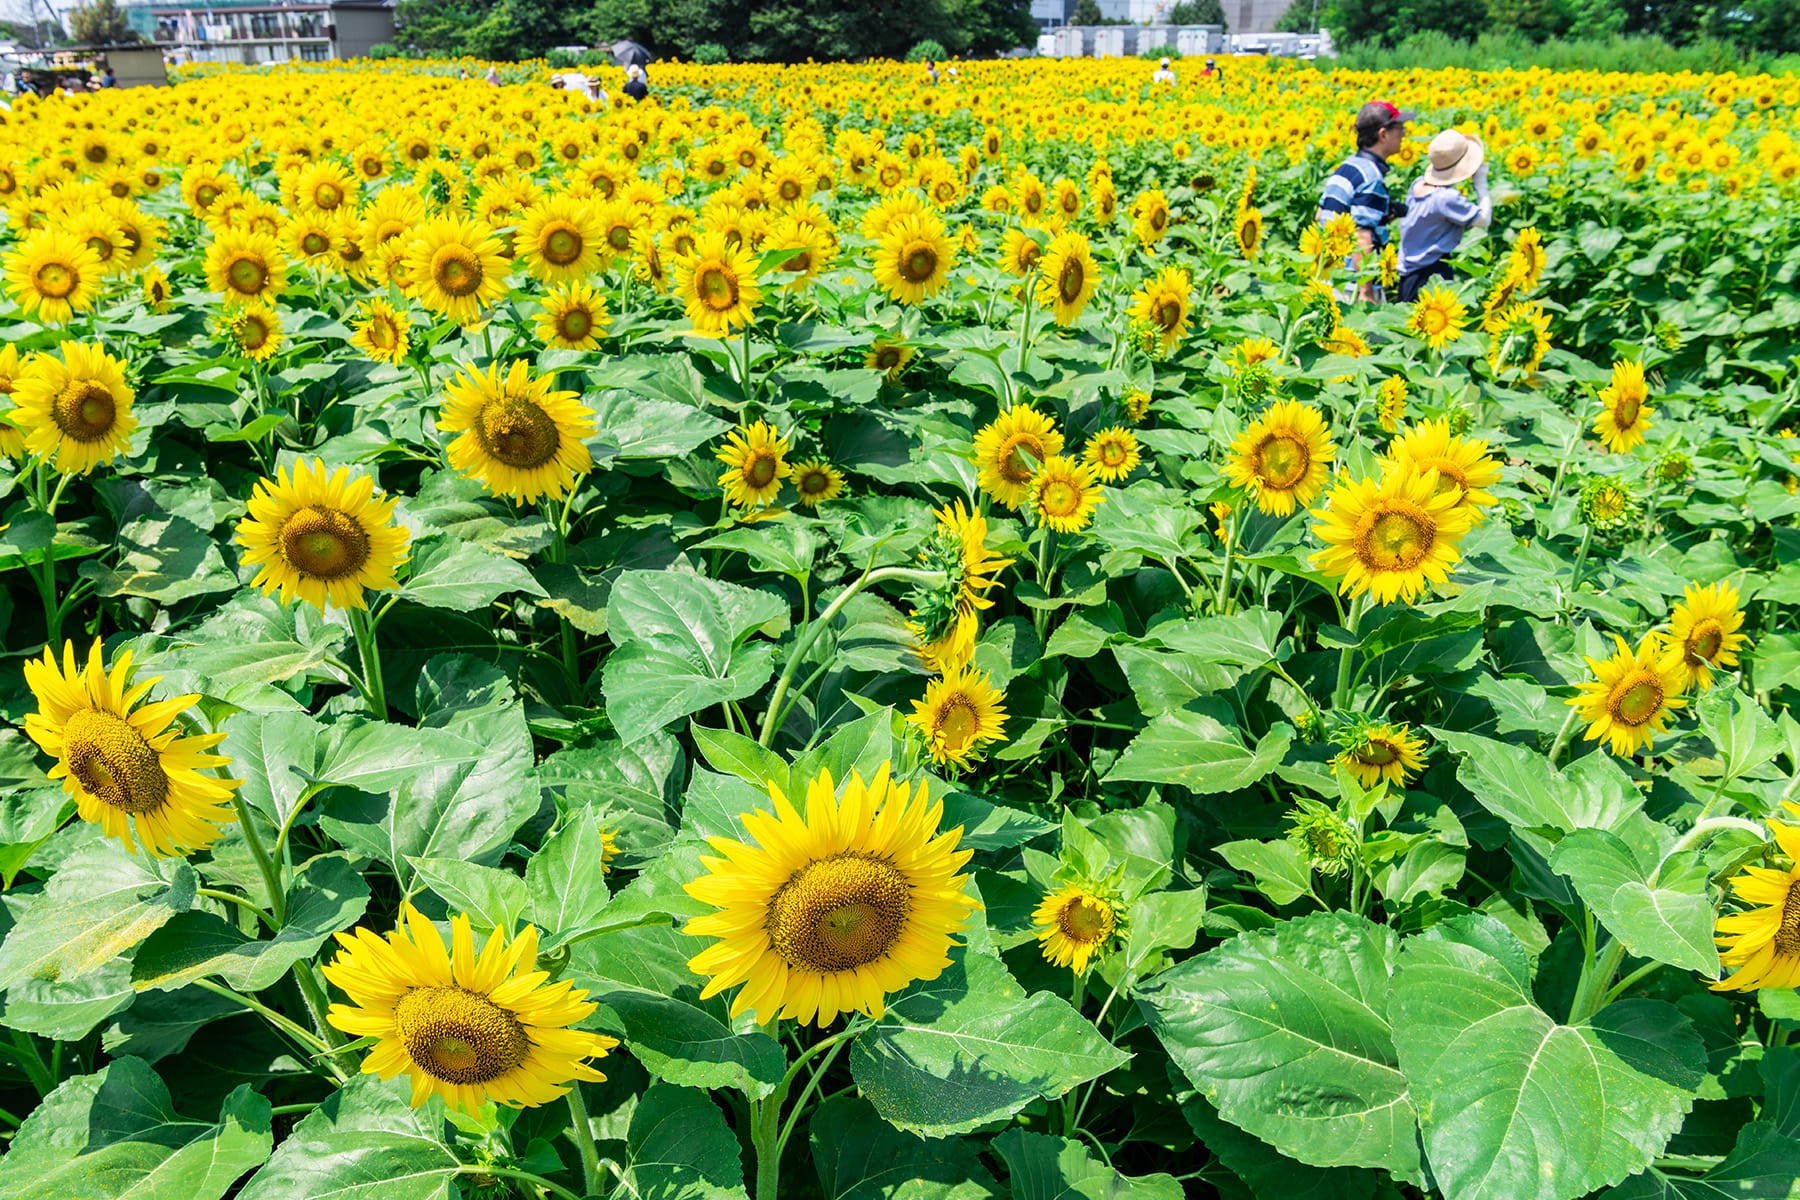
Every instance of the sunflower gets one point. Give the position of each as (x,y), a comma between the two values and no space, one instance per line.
(1067,278)
(1390,537)
(830,912)
(1076,924)
(519,438)
(325,187)
(717,283)
(573,317)
(1526,263)
(1627,410)
(1020,253)
(813,249)
(889,357)
(255,329)
(1760,945)
(959,713)
(1703,632)
(382,334)
(1163,304)
(1437,316)
(755,464)
(1150,213)
(1282,459)
(1382,754)
(1112,453)
(322,537)
(131,772)
(470,1028)
(53,275)
(12,369)
(1136,403)
(1462,464)
(309,239)
(1632,695)
(1251,351)
(1249,230)
(243,265)
(1520,339)
(74,407)
(1390,404)
(914,258)
(562,240)
(139,233)
(1009,450)
(156,291)
(1064,493)
(101,232)
(455,267)
(816,481)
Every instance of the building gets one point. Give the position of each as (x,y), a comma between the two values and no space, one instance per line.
(1241,16)
(262,31)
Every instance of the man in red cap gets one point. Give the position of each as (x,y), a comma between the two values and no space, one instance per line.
(1359,185)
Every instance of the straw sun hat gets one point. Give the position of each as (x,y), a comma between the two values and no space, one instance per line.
(1453,157)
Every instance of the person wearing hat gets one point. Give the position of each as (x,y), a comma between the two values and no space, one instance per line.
(1359,185)
(1437,212)
(1163,74)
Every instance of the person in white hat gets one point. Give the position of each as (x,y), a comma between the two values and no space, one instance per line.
(1437,212)
(1163,74)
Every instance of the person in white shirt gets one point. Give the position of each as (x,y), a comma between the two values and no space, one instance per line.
(1437,213)
(1164,74)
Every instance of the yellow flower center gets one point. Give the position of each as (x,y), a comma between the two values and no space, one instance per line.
(113,763)
(85,410)
(1787,933)
(918,262)
(560,244)
(1396,538)
(516,431)
(1019,457)
(1433,320)
(382,333)
(717,287)
(1085,919)
(1704,642)
(314,243)
(1282,461)
(246,275)
(575,324)
(456,270)
(324,543)
(1636,698)
(1377,752)
(813,483)
(957,724)
(838,913)
(55,280)
(327,196)
(1059,498)
(1625,412)
(1112,454)
(1070,280)
(459,1036)
(1167,314)
(761,469)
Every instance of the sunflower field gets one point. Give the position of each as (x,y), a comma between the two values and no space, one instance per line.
(825,635)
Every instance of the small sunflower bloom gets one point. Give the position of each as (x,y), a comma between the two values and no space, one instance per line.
(1076,925)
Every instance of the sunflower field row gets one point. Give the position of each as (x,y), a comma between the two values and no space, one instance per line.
(825,635)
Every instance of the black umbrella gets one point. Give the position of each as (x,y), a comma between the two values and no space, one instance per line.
(628,53)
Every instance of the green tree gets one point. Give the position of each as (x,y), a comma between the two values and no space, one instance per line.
(1201,12)
(1086,13)
(101,23)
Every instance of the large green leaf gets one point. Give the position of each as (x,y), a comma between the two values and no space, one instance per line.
(647,685)
(1764,1164)
(1658,908)
(678,1148)
(630,425)
(1197,752)
(114,1135)
(859,1156)
(971,1046)
(101,902)
(1265,1170)
(447,573)
(1519,785)
(1285,1032)
(1053,1168)
(327,895)
(365,1142)
(1514,1105)
(564,885)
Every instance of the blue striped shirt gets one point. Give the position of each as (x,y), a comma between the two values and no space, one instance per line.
(1358,188)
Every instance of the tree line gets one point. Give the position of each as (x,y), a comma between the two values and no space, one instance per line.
(1752,26)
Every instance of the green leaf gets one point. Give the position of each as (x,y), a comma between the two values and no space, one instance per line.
(1514,1105)
(164,558)
(114,1135)
(648,685)
(101,902)
(629,425)
(679,1148)
(1659,909)
(971,1046)
(327,895)
(68,1010)
(364,1142)
(1285,1031)
(785,547)
(563,881)
(1163,921)
(1745,736)
(1053,1168)
(1200,754)
(734,754)
(859,1156)
(1520,786)
(638,787)
(1277,867)
(1765,1161)
(691,610)
(447,573)
(1264,1170)
(494,898)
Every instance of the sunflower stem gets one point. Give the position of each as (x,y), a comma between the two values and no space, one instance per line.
(749,390)
(1562,735)
(555,1189)
(1596,980)
(369,651)
(1340,696)
(317,1005)
(1587,542)
(264,864)
(54,610)
(298,1032)
(1224,596)
(584,1140)
(1025,328)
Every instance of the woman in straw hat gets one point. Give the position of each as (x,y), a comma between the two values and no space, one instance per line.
(1437,212)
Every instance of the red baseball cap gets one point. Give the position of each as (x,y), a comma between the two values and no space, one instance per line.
(1379,114)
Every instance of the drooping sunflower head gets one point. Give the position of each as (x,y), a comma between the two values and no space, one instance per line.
(1324,838)
(1632,695)
(573,317)
(321,536)
(383,333)
(1010,449)
(960,713)
(521,439)
(1626,411)
(1112,453)
(127,764)
(831,911)
(1068,277)
(1437,316)
(1063,494)
(465,1025)
(756,462)
(1703,632)
(914,258)
(1136,403)
(1463,465)
(1077,924)
(1391,537)
(74,407)
(1283,458)
(1380,753)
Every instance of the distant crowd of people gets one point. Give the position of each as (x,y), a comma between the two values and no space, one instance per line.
(28,82)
